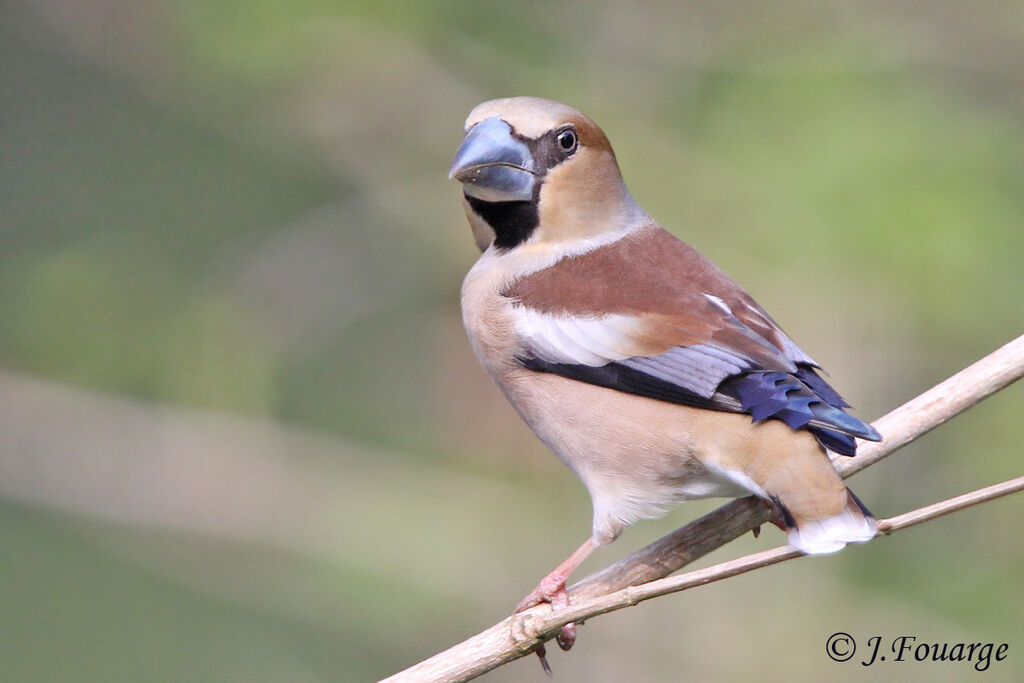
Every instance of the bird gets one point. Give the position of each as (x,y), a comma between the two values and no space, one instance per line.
(644,367)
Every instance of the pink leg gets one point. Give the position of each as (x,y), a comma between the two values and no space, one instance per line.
(552,589)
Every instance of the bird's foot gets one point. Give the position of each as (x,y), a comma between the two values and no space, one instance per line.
(551,589)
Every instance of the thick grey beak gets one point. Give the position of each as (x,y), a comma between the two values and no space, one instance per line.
(494,166)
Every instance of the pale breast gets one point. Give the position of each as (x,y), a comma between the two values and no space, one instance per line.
(487,317)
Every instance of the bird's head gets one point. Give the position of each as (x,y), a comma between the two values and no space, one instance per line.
(535,170)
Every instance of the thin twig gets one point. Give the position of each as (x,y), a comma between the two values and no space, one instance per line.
(632,595)
(520,634)
(930,512)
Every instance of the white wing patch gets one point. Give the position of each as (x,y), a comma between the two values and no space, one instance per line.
(576,341)
(601,340)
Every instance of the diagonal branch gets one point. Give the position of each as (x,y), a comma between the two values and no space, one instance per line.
(520,634)
(579,610)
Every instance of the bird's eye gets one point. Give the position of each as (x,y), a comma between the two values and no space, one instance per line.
(567,140)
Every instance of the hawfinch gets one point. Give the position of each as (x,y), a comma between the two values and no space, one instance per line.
(645,368)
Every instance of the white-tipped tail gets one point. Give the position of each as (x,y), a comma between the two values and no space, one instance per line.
(853,525)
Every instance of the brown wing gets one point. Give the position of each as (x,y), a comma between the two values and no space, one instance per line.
(655,294)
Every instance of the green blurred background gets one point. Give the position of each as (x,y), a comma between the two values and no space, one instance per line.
(243,437)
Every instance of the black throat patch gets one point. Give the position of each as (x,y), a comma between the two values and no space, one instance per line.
(512,222)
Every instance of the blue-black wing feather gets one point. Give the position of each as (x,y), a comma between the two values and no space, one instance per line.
(801,399)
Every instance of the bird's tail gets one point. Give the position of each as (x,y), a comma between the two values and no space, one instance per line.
(853,524)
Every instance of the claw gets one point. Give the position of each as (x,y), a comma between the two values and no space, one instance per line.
(542,655)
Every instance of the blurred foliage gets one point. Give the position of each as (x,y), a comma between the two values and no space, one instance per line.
(241,207)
